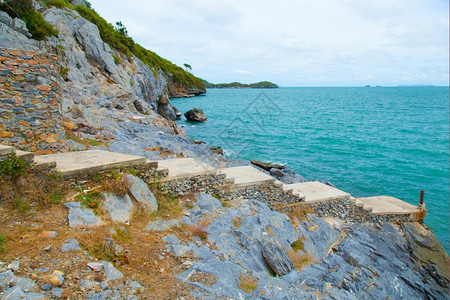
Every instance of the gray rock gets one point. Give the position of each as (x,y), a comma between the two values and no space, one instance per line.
(178,249)
(100,296)
(5,18)
(79,2)
(35,296)
(46,287)
(74,146)
(195,115)
(119,207)
(95,266)
(20,26)
(72,204)
(57,292)
(135,286)
(14,265)
(12,39)
(6,278)
(25,284)
(140,191)
(89,38)
(427,253)
(207,202)
(276,257)
(88,284)
(161,225)
(70,245)
(14,293)
(172,239)
(80,217)
(111,272)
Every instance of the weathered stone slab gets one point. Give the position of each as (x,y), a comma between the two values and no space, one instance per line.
(276,257)
(79,217)
(247,175)
(89,162)
(184,167)
(140,191)
(386,205)
(5,150)
(119,207)
(315,191)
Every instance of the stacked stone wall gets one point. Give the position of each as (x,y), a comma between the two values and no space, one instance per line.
(30,101)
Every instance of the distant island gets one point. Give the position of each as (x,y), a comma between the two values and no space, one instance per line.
(238,85)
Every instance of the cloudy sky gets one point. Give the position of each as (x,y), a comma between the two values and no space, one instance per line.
(295,43)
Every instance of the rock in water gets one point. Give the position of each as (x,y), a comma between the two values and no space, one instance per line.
(276,257)
(195,115)
(266,166)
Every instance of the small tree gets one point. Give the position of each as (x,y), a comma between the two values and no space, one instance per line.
(188,67)
(121,28)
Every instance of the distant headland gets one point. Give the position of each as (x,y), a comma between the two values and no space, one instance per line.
(238,85)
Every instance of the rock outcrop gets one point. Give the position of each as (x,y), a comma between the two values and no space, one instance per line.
(195,115)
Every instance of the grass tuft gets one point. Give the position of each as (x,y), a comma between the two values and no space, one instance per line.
(247,283)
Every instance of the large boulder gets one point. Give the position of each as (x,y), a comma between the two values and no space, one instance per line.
(140,191)
(195,115)
(276,257)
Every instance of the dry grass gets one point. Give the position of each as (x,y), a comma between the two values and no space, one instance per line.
(300,214)
(197,230)
(247,283)
(115,183)
(237,221)
(300,261)
(32,189)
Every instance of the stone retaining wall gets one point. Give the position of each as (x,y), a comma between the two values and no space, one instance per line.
(213,184)
(346,210)
(30,101)
(269,193)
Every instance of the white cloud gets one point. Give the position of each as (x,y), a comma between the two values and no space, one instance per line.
(242,72)
(295,43)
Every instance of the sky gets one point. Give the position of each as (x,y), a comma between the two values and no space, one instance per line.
(295,43)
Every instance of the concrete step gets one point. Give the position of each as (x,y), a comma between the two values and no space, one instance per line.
(89,162)
(315,191)
(23,155)
(247,176)
(5,150)
(181,168)
(386,205)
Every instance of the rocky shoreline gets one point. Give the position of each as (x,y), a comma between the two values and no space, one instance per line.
(99,108)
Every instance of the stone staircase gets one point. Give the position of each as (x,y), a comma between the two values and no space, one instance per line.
(184,176)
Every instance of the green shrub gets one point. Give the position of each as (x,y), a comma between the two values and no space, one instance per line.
(2,243)
(58,3)
(63,72)
(13,166)
(24,10)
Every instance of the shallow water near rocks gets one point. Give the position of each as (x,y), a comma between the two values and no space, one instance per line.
(366,141)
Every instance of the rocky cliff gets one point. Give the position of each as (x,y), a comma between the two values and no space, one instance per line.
(74,91)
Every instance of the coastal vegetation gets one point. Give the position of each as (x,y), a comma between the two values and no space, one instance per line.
(115,36)
(23,9)
(238,85)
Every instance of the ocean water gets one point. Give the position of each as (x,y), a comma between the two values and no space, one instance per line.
(366,141)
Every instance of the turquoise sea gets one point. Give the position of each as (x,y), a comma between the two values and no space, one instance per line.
(366,141)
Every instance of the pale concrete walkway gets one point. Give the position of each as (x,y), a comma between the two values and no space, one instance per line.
(315,191)
(247,175)
(386,205)
(88,162)
(26,156)
(180,168)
